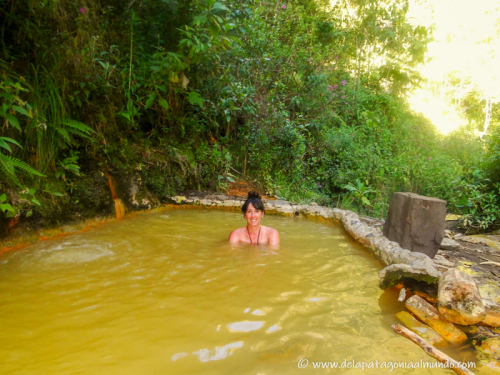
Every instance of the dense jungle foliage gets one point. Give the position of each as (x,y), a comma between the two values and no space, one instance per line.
(304,97)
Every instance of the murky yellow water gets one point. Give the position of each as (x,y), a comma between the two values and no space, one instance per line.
(163,293)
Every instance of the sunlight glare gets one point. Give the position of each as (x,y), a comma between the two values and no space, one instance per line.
(465,41)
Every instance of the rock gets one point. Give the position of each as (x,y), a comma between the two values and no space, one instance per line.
(416,222)
(493,366)
(449,244)
(133,192)
(459,300)
(492,318)
(424,331)
(430,315)
(489,352)
(314,204)
(488,240)
(441,261)
(402,295)
(397,273)
(479,332)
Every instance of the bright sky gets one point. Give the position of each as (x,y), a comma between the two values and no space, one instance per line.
(467,40)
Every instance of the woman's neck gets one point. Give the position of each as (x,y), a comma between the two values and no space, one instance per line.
(254,229)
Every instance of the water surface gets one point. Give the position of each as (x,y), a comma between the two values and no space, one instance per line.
(163,293)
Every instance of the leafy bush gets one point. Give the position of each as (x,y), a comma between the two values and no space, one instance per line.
(305,97)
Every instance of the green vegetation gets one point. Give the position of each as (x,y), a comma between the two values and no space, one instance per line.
(305,98)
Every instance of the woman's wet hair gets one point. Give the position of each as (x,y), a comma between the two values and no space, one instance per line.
(254,198)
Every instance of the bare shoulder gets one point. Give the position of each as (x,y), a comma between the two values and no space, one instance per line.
(236,235)
(272,235)
(270,230)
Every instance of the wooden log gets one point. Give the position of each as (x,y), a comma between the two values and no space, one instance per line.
(430,315)
(430,350)
(424,331)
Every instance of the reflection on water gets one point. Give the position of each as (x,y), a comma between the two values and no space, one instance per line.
(164,293)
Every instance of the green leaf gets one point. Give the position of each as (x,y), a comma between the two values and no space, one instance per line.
(29,213)
(350,187)
(3,197)
(150,100)
(13,121)
(214,28)
(200,20)
(19,164)
(195,98)
(125,114)
(5,145)
(229,179)
(36,201)
(7,96)
(54,193)
(77,125)
(220,6)
(6,207)
(21,110)
(7,139)
(7,163)
(365,201)
(175,77)
(163,103)
(73,168)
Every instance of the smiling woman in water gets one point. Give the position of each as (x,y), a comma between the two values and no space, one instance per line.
(254,233)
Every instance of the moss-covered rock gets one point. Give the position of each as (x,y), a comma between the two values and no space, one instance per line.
(130,188)
(91,195)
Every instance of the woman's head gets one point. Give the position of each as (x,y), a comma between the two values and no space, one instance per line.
(253,209)
(254,199)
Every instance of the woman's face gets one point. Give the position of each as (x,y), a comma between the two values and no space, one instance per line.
(253,215)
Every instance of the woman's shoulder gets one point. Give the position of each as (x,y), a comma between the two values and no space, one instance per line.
(239,230)
(272,236)
(237,234)
(269,230)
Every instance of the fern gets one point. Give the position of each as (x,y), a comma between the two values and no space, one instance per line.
(63,132)
(7,171)
(79,127)
(7,165)
(26,168)
(10,168)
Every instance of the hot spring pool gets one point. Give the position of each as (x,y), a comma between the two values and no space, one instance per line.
(163,293)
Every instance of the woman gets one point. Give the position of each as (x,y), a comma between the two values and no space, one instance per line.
(254,233)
